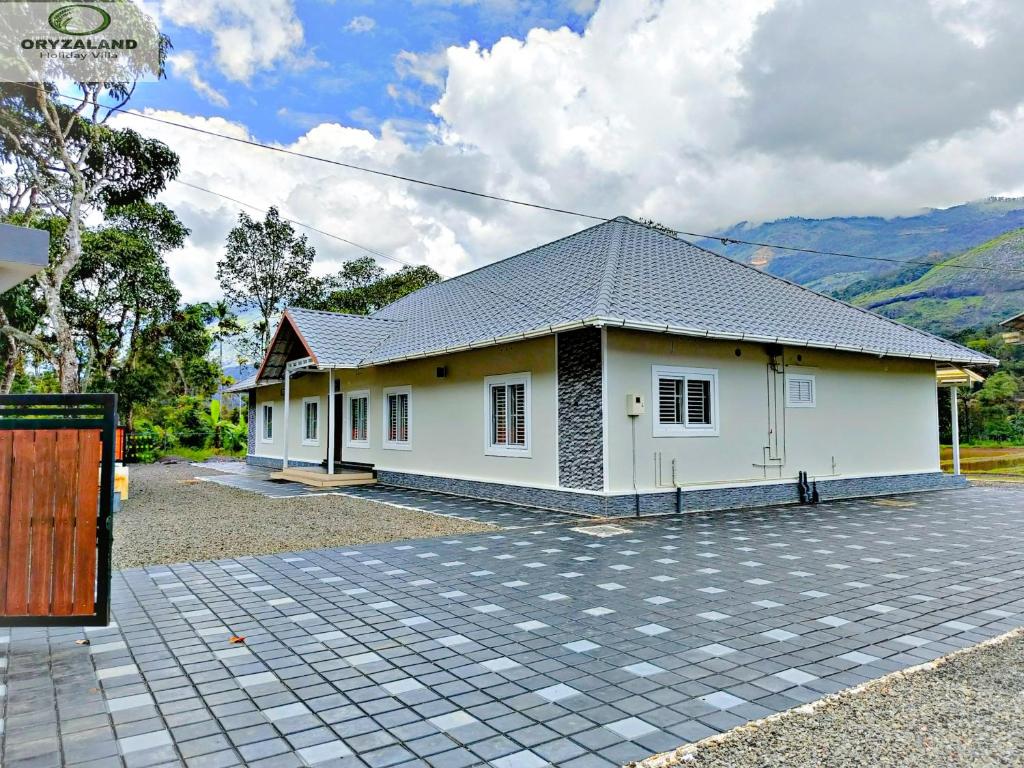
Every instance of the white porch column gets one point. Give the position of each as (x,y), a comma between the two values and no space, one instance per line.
(954,421)
(330,421)
(287,399)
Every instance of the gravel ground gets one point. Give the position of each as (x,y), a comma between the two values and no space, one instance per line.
(170,517)
(967,711)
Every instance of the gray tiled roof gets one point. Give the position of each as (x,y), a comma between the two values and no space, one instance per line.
(615,273)
(342,340)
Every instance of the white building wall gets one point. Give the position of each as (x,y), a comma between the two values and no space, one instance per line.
(447,415)
(307,385)
(872,416)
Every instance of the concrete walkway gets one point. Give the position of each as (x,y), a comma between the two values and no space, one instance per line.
(519,648)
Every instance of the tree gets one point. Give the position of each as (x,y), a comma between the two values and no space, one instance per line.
(122,286)
(264,266)
(172,361)
(21,308)
(362,286)
(226,325)
(64,160)
(251,343)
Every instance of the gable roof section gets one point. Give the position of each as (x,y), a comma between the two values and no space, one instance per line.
(331,339)
(615,273)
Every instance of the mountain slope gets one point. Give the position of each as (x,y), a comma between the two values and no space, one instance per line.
(946,299)
(929,235)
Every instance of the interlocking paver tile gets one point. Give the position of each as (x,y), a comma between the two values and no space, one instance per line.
(470,656)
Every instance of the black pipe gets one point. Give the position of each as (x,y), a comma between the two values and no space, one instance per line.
(815,498)
(679,500)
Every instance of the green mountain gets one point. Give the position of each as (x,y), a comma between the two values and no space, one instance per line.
(931,235)
(945,297)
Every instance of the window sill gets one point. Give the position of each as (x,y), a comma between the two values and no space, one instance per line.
(358,444)
(800,405)
(311,443)
(508,453)
(685,433)
(397,446)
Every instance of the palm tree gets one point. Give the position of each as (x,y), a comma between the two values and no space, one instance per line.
(227,325)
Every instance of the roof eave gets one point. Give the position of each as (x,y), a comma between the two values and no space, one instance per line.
(979,359)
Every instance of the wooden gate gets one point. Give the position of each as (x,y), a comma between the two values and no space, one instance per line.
(56,508)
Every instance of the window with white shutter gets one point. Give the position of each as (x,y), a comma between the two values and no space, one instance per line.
(358,420)
(507,415)
(800,391)
(311,421)
(398,418)
(686,401)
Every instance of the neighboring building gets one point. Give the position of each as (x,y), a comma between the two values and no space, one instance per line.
(1015,334)
(23,252)
(602,372)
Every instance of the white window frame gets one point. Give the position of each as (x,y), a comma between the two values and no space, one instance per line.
(358,394)
(791,377)
(659,372)
(396,445)
(319,420)
(264,422)
(490,449)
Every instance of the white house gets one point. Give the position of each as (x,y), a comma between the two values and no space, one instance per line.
(615,370)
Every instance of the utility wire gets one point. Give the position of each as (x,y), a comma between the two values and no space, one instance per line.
(310,227)
(467,282)
(724,239)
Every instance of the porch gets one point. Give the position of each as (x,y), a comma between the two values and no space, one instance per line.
(319,477)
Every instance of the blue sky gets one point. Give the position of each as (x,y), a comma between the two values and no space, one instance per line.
(695,113)
(353,49)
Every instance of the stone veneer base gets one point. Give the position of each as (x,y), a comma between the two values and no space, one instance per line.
(269,463)
(726,497)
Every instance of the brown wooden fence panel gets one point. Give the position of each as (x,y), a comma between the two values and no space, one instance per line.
(56,502)
(66,496)
(89,454)
(22,490)
(6,441)
(40,570)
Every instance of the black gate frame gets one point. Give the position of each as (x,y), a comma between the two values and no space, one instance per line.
(91,411)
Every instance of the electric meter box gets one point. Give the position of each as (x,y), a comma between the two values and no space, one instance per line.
(635,404)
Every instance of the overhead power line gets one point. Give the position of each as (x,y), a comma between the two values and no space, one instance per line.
(724,239)
(373,251)
(296,222)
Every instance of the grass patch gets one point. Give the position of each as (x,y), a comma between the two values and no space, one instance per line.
(201,454)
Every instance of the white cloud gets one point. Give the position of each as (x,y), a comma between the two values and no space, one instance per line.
(873,80)
(361,24)
(184,65)
(676,110)
(248,36)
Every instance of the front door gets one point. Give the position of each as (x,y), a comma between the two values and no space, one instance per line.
(339,425)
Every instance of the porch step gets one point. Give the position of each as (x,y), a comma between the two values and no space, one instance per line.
(320,479)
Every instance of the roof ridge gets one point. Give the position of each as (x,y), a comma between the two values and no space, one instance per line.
(343,314)
(603,303)
(513,256)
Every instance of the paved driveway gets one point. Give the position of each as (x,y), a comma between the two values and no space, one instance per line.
(518,648)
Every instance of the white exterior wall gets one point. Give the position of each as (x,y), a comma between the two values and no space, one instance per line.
(308,385)
(872,416)
(447,415)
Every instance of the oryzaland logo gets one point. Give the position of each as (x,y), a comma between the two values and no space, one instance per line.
(79,19)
